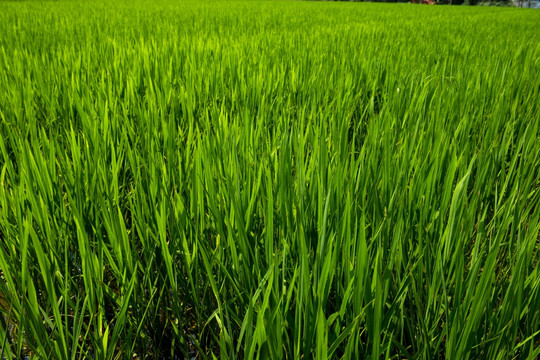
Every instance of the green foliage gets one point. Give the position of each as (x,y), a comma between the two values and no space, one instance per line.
(268,180)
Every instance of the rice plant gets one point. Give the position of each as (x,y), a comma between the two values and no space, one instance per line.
(268,179)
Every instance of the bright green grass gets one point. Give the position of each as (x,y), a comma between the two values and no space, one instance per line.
(269,179)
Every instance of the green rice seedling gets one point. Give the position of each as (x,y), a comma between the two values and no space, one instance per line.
(268,179)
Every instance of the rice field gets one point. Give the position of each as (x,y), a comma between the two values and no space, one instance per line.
(268,179)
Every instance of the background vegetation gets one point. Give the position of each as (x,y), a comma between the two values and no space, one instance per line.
(268,179)
(446,2)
